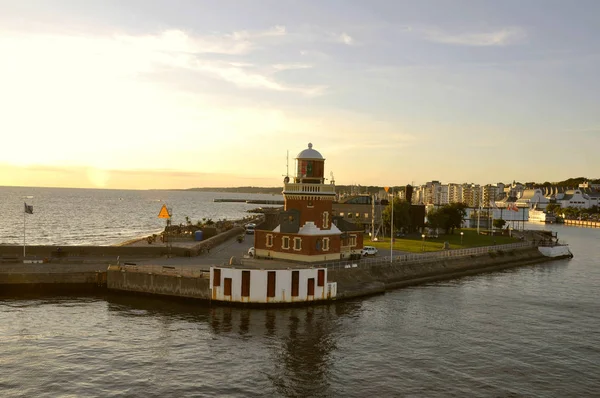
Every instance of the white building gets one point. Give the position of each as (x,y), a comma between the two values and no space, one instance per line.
(574,198)
(533,198)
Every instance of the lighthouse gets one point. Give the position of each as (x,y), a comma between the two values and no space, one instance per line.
(307,230)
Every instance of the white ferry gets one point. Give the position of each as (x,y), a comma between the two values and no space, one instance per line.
(536,215)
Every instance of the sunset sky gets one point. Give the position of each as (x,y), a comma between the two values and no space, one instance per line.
(179,94)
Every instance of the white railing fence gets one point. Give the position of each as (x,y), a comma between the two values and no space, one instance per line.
(420,257)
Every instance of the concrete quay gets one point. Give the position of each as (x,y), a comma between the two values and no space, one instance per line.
(83,268)
(188,277)
(357,280)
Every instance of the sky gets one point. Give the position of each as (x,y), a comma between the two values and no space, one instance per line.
(145,94)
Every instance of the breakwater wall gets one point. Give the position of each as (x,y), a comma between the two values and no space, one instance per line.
(168,281)
(364,280)
(15,282)
(75,253)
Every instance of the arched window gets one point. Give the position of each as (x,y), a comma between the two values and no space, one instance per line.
(325,244)
(325,220)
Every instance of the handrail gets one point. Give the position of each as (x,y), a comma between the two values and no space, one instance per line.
(421,257)
(301,187)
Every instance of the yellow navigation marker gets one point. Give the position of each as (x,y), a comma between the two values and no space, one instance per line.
(386,189)
(164,213)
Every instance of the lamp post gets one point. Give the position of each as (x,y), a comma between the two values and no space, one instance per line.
(423,247)
(461,237)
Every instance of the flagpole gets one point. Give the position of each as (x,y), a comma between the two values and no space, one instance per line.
(24,217)
(24,232)
(392,230)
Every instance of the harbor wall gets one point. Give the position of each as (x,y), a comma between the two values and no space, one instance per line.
(12,283)
(363,280)
(360,281)
(153,250)
(193,286)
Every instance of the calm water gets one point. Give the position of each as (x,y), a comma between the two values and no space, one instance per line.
(65,216)
(527,332)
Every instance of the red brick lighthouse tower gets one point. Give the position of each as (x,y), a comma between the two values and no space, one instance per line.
(307,230)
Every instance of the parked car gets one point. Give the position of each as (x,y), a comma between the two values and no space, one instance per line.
(369,251)
(251,251)
(250,228)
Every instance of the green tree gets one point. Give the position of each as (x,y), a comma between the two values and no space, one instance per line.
(438,218)
(449,217)
(401,214)
(554,208)
(499,223)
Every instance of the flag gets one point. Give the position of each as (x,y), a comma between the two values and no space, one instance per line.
(28,208)
(514,207)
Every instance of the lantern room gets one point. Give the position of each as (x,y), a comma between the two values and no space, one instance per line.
(310,167)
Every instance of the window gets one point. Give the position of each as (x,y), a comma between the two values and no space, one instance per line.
(216,277)
(325,244)
(297,243)
(285,242)
(366,215)
(350,215)
(352,240)
(271,283)
(321,277)
(269,240)
(357,215)
(341,214)
(295,283)
(245,283)
(325,220)
(227,287)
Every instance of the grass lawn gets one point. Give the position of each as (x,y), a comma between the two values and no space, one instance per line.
(414,243)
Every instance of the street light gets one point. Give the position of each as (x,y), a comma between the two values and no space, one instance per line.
(423,248)
(461,236)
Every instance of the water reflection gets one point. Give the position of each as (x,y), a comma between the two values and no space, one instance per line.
(299,342)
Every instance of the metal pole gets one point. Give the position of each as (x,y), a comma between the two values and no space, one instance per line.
(24,217)
(23,232)
(478,214)
(392,230)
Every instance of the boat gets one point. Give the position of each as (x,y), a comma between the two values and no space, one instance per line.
(537,215)
(550,246)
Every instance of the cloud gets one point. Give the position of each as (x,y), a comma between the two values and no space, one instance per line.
(282,67)
(275,31)
(502,37)
(238,42)
(342,38)
(241,77)
(122,55)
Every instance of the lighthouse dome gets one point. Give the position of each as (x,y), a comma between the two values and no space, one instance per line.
(309,154)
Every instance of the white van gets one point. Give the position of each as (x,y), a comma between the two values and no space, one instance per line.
(250,228)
